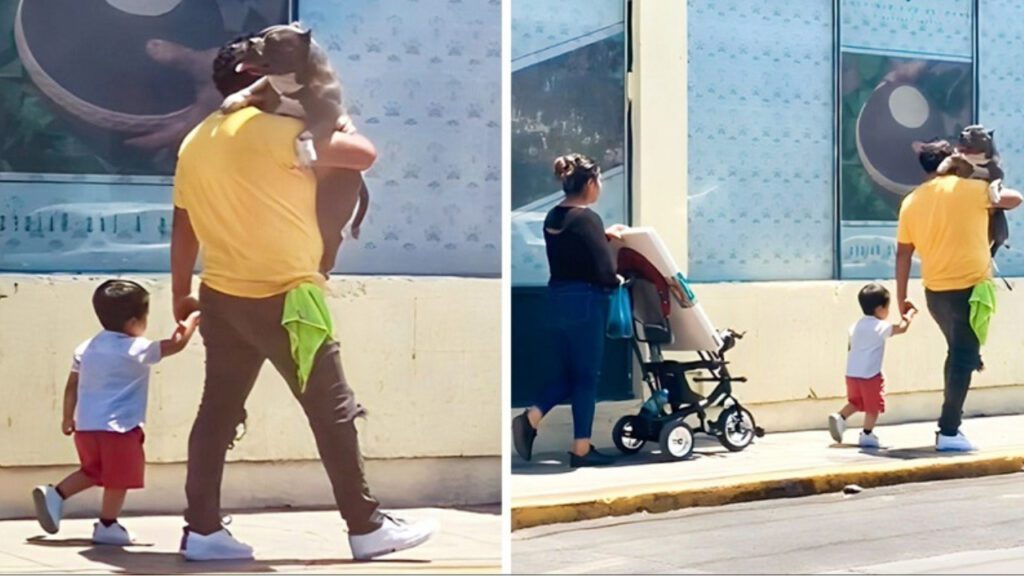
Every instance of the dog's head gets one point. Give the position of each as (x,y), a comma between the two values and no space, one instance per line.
(976,140)
(275,51)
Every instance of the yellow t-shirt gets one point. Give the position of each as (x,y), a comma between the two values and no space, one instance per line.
(946,219)
(253,210)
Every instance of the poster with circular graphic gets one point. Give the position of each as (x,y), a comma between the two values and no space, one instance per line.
(887,104)
(108,88)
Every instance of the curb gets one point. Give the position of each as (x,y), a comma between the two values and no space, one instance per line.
(529,513)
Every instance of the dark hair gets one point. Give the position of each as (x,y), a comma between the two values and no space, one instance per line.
(931,154)
(225,78)
(118,301)
(575,171)
(871,297)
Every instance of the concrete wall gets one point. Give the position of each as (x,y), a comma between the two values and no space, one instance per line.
(794,355)
(422,354)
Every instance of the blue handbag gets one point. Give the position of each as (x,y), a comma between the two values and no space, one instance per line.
(620,315)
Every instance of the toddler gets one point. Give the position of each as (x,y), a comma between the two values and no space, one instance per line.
(865,385)
(105,407)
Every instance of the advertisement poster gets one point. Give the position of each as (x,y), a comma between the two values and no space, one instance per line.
(897,86)
(90,124)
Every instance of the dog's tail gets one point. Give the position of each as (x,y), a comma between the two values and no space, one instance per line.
(364,205)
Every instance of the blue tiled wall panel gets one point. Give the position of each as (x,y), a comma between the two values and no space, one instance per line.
(761,140)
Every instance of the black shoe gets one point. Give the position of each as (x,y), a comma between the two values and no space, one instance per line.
(593,458)
(523,434)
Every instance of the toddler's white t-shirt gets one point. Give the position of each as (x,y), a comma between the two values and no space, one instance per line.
(113,381)
(867,347)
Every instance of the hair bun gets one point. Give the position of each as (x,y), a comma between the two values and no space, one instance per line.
(564,166)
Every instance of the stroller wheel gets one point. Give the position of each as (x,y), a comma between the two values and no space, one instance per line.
(624,435)
(676,440)
(736,428)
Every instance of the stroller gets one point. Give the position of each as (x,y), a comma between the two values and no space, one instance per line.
(653,297)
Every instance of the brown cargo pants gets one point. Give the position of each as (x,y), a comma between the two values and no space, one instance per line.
(239,335)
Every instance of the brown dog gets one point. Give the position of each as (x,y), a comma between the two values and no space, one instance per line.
(297,80)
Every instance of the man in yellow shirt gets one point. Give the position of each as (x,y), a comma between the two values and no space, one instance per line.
(241,196)
(946,221)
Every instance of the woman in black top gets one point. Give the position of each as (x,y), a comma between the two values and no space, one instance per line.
(582,276)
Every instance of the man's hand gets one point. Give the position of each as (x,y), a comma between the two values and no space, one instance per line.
(185,307)
(67,426)
(198,65)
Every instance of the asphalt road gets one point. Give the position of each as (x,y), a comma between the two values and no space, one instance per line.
(973,526)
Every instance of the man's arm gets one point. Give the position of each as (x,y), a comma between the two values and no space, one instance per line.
(184,252)
(904,259)
(346,150)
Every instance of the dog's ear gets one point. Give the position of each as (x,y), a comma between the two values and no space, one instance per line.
(991,133)
(305,33)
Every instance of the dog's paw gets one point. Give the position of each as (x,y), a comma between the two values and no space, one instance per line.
(234,103)
(305,151)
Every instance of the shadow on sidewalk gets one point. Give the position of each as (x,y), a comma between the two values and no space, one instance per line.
(129,561)
(552,463)
(912,453)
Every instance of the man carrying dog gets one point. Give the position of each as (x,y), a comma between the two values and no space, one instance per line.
(239,193)
(945,220)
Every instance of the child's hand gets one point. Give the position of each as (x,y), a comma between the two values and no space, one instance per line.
(906,306)
(186,328)
(67,426)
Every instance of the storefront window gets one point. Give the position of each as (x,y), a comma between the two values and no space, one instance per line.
(568,95)
(90,125)
(906,76)
(761,171)
(999,48)
(569,64)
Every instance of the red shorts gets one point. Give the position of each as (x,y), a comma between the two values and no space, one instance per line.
(866,394)
(112,459)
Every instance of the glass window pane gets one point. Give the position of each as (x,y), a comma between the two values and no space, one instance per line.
(90,137)
(423,81)
(1000,49)
(761,128)
(568,95)
(906,76)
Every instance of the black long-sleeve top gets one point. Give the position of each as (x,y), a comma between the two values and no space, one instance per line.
(577,248)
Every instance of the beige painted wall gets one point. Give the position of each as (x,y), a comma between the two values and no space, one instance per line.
(794,355)
(423,355)
(657,90)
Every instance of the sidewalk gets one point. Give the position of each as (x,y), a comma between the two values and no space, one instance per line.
(547,491)
(289,542)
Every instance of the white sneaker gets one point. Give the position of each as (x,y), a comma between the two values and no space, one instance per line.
(958,443)
(869,440)
(393,536)
(49,507)
(113,535)
(836,427)
(220,545)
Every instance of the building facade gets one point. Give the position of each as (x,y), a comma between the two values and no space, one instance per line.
(770,146)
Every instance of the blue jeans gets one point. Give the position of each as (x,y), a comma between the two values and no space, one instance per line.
(578,318)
